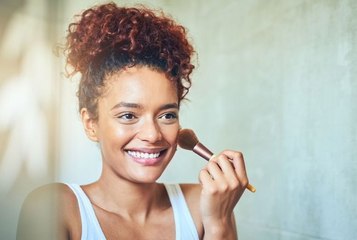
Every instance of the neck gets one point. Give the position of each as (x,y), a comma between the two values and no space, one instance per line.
(127,199)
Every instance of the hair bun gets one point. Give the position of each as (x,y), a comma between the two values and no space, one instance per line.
(133,31)
(106,38)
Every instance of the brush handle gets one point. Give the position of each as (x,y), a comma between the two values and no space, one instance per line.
(201,150)
(204,152)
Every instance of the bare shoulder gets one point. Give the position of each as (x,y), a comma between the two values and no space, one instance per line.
(48,212)
(48,192)
(55,196)
(192,193)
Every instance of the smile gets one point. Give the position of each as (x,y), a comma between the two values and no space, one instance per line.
(143,155)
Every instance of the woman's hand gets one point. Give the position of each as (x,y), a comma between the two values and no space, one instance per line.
(223,181)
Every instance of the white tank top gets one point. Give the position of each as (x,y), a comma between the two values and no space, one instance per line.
(184,224)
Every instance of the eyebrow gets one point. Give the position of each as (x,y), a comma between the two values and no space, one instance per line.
(139,106)
(127,105)
(169,105)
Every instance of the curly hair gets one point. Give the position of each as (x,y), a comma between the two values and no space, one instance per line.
(108,38)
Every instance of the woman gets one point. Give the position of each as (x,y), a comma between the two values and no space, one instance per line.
(135,68)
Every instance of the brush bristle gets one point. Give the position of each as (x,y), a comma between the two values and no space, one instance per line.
(187,139)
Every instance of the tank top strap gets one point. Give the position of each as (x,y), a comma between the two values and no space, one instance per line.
(91,229)
(185,226)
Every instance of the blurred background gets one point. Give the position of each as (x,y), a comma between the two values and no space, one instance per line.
(275,79)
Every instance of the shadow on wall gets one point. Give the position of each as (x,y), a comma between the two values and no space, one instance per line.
(27,99)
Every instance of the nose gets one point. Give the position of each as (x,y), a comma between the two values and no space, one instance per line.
(150,132)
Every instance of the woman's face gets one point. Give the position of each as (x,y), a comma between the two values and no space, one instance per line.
(137,124)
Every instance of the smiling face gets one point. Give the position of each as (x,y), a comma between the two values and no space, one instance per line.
(137,124)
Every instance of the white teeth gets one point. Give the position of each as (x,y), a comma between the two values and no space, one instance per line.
(143,155)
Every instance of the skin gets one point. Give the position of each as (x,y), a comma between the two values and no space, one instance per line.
(138,112)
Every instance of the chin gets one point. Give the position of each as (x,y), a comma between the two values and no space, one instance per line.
(148,176)
(147,179)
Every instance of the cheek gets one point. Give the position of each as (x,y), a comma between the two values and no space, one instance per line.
(124,132)
(171,134)
(118,135)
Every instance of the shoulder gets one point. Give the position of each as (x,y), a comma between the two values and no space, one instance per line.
(53,197)
(192,193)
(49,192)
(48,213)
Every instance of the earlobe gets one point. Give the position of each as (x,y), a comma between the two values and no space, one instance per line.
(89,124)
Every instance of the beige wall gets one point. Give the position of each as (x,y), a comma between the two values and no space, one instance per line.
(29,93)
(276,80)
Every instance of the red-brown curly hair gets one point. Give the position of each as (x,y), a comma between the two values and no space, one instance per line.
(108,38)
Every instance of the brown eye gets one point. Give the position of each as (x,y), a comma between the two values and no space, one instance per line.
(127,116)
(168,118)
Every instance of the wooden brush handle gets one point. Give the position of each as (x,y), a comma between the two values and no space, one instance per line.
(251,188)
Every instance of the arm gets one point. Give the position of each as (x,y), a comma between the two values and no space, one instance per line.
(40,217)
(223,181)
(221,230)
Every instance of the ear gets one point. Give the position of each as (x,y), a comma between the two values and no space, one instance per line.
(89,124)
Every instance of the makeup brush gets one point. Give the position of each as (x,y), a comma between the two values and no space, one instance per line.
(188,140)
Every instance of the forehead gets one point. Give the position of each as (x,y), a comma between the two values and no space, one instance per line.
(140,84)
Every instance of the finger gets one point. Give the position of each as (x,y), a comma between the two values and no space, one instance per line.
(205,177)
(228,170)
(239,166)
(215,171)
(212,157)
(225,163)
